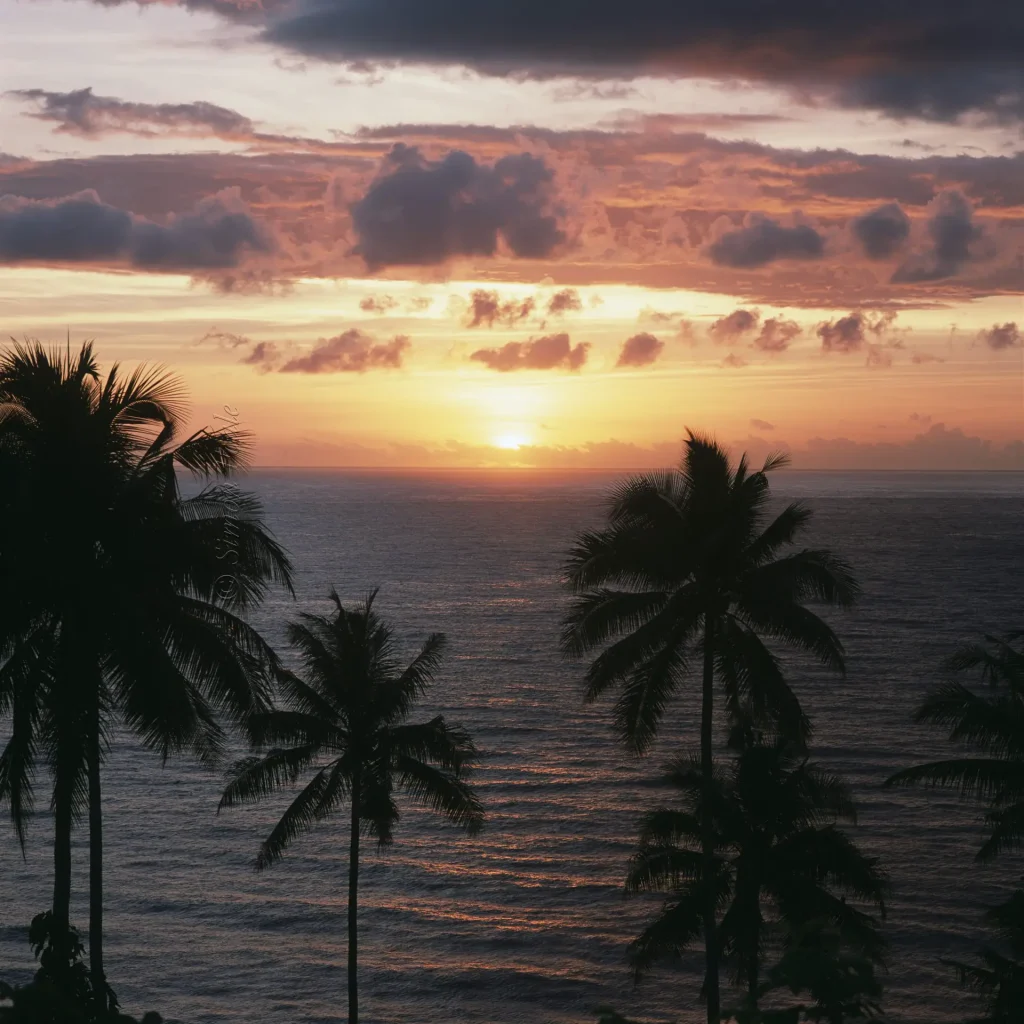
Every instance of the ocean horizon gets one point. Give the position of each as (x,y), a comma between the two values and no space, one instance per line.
(527,923)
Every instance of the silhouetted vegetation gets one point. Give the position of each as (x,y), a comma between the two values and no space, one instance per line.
(991,726)
(122,600)
(126,604)
(783,872)
(685,581)
(346,724)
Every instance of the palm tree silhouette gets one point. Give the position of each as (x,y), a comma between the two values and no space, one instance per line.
(688,572)
(991,726)
(123,600)
(346,723)
(782,866)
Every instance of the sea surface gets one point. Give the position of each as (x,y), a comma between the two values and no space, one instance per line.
(528,922)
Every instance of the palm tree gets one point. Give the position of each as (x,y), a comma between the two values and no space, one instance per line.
(991,726)
(124,600)
(688,573)
(782,865)
(346,724)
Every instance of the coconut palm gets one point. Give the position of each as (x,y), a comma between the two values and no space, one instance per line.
(782,865)
(124,601)
(992,726)
(346,725)
(688,579)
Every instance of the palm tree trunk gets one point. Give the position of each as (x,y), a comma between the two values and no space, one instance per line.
(96,974)
(711,988)
(62,866)
(353,888)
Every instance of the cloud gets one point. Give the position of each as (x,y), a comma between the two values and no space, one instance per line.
(658,240)
(225,339)
(423,212)
(264,356)
(553,351)
(762,241)
(733,361)
(81,112)
(937,61)
(882,231)
(952,230)
(565,301)
(486,308)
(640,350)
(1001,336)
(350,352)
(728,329)
(83,229)
(777,334)
(920,358)
(380,304)
(762,425)
(849,333)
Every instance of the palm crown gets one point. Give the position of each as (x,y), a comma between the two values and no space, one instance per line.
(346,725)
(782,865)
(990,724)
(689,566)
(116,605)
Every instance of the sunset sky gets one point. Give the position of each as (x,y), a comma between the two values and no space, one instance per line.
(467,233)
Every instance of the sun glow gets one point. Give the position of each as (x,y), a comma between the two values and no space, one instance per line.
(510,441)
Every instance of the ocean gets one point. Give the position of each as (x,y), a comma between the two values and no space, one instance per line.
(527,922)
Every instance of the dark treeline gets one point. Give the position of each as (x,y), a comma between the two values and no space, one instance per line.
(125,604)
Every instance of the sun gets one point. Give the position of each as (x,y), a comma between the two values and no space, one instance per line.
(510,441)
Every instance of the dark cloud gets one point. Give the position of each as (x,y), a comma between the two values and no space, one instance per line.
(379,304)
(553,351)
(225,339)
(81,112)
(422,212)
(565,301)
(350,352)
(952,231)
(850,333)
(903,57)
(776,334)
(762,425)
(762,240)
(640,350)
(83,229)
(1001,336)
(487,309)
(728,329)
(264,356)
(883,231)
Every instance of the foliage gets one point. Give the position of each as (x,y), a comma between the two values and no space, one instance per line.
(116,605)
(999,978)
(783,872)
(61,991)
(346,725)
(991,725)
(685,548)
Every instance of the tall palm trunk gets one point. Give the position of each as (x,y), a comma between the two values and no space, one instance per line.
(708,826)
(98,978)
(353,889)
(62,814)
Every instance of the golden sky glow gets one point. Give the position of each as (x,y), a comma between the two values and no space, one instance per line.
(698,220)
